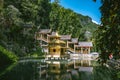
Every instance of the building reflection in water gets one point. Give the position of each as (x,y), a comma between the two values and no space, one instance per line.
(65,70)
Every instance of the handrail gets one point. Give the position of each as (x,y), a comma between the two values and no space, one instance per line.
(70,49)
(42,38)
(81,56)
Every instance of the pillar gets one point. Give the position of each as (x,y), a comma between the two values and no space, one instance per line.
(81,50)
(89,50)
(74,48)
(67,44)
(47,37)
(89,62)
(81,62)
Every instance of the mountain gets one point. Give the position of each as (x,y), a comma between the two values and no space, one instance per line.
(66,21)
(87,23)
(88,27)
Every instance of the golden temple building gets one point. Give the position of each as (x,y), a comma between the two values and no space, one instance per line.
(60,46)
(56,47)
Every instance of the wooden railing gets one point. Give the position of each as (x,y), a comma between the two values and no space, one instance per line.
(81,56)
(42,38)
(77,51)
(71,49)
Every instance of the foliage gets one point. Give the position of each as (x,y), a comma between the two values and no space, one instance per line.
(7,58)
(118,74)
(108,34)
(19,24)
(104,73)
(65,21)
(87,27)
(21,19)
(38,52)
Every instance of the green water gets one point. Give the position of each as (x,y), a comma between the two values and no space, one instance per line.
(57,70)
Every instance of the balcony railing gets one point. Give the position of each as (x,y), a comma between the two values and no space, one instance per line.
(81,56)
(71,49)
(77,51)
(42,38)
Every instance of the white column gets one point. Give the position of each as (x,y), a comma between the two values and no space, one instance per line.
(47,37)
(81,50)
(89,62)
(81,62)
(74,48)
(67,44)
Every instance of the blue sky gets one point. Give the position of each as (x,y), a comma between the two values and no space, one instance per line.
(84,7)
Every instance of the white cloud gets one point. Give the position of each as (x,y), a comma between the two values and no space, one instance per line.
(95,22)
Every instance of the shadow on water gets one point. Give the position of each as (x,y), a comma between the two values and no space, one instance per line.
(57,70)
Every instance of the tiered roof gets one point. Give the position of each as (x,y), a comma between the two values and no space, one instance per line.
(57,41)
(85,44)
(74,40)
(45,31)
(65,37)
(54,34)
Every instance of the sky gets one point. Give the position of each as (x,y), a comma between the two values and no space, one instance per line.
(84,7)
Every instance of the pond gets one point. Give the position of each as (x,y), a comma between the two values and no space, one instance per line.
(56,70)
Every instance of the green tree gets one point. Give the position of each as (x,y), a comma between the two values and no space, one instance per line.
(7,59)
(108,34)
(20,22)
(42,19)
(65,21)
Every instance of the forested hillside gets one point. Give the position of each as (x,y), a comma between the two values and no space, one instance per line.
(66,21)
(19,20)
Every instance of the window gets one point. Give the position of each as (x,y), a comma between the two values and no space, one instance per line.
(54,50)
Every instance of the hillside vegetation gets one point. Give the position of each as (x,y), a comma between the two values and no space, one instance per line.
(21,19)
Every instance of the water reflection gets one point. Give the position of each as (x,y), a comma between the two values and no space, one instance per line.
(50,70)
(66,70)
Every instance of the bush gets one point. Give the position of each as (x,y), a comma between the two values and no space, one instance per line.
(7,58)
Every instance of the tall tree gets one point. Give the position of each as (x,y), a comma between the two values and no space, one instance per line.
(44,8)
(21,19)
(108,34)
(65,21)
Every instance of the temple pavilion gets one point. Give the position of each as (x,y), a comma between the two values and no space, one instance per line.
(56,47)
(59,46)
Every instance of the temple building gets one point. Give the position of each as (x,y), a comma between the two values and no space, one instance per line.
(83,47)
(42,37)
(55,45)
